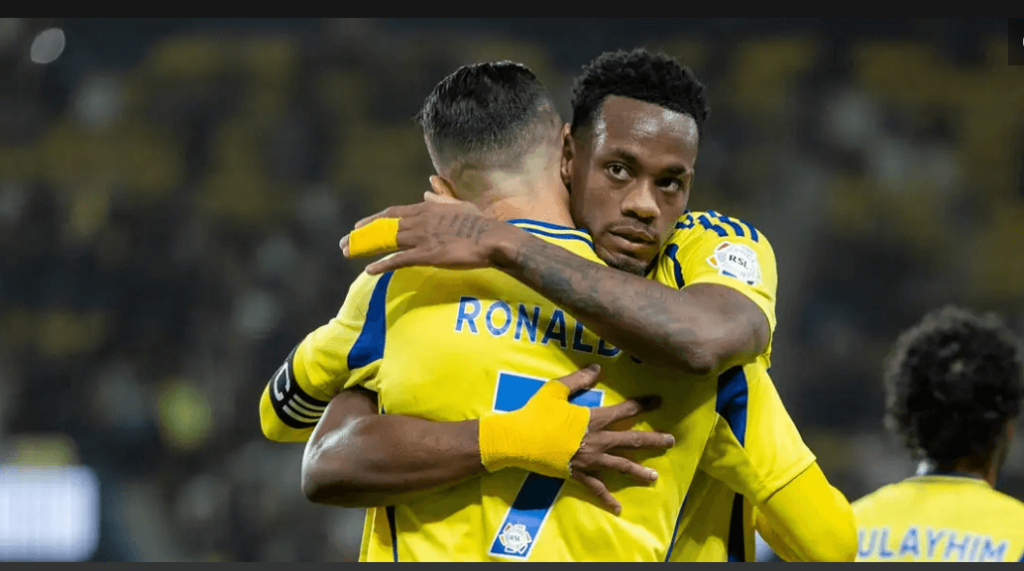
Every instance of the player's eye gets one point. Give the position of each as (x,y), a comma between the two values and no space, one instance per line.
(618,172)
(670,184)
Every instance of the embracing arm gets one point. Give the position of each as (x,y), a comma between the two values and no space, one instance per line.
(358,458)
(702,329)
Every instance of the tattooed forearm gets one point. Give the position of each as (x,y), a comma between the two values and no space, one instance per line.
(660,325)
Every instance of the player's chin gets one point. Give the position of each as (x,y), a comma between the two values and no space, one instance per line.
(625,261)
(626,255)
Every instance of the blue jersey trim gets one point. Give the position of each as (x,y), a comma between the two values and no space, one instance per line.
(677,268)
(708,225)
(675,530)
(563,232)
(369,346)
(547,225)
(731,401)
(583,239)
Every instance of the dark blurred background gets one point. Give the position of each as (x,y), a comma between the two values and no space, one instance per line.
(172,193)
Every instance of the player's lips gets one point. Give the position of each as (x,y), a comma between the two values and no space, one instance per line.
(635,235)
(631,244)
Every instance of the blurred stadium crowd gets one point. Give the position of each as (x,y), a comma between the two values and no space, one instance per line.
(169,229)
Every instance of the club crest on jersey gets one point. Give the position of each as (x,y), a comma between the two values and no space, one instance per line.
(515,539)
(736,261)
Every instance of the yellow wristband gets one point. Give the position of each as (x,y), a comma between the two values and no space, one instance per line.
(541,437)
(377,237)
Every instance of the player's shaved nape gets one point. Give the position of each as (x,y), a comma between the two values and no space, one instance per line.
(487,116)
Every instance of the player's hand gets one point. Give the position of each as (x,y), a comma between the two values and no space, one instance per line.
(440,232)
(597,451)
(440,193)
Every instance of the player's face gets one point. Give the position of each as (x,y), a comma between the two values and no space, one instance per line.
(629,179)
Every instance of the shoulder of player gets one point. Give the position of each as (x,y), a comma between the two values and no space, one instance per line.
(385,287)
(694,225)
(1011,505)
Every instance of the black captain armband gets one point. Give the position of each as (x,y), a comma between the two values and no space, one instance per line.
(293,405)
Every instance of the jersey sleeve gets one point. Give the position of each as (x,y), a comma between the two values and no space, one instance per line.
(828,533)
(344,352)
(707,247)
(754,447)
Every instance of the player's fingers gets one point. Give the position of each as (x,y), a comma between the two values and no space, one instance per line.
(582,379)
(598,488)
(439,198)
(601,417)
(343,244)
(386,213)
(620,439)
(605,415)
(403,211)
(404,259)
(411,235)
(627,467)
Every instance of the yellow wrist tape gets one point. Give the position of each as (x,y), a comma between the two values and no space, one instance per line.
(541,437)
(377,237)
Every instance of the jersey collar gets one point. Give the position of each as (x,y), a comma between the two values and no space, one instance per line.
(927,470)
(552,230)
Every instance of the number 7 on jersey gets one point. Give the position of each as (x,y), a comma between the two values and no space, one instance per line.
(523,523)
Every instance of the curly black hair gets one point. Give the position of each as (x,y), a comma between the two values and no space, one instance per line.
(638,74)
(486,112)
(952,382)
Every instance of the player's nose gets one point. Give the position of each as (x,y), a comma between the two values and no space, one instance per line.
(641,202)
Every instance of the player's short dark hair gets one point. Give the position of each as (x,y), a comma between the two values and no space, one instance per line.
(953,381)
(490,112)
(638,74)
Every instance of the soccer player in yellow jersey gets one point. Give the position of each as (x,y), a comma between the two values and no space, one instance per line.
(628,186)
(456,347)
(954,385)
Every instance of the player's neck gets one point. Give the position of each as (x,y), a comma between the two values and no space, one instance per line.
(962,468)
(539,208)
(537,194)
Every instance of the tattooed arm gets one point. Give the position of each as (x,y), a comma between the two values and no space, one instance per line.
(703,328)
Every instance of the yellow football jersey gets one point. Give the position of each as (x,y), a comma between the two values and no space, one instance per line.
(935,517)
(716,524)
(455,345)
(505,322)
(708,247)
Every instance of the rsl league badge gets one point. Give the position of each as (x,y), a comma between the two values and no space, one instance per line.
(515,539)
(736,261)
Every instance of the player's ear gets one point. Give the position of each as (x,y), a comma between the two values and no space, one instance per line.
(568,153)
(442,186)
